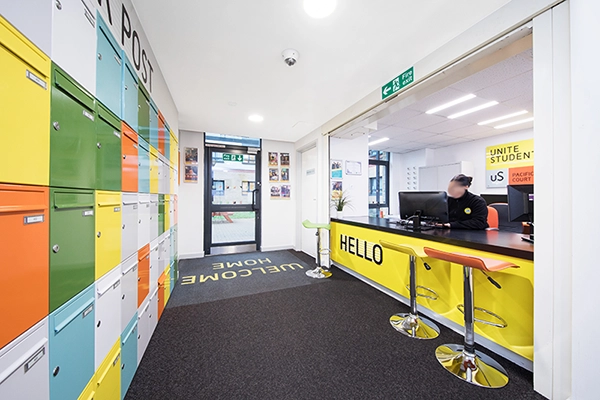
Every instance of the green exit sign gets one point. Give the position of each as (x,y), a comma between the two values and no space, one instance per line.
(402,80)
(233,157)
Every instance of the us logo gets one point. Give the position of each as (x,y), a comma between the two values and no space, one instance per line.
(467,211)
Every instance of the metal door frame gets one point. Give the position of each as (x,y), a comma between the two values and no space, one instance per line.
(209,208)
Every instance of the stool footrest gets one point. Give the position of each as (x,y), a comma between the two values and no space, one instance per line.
(501,324)
(432,296)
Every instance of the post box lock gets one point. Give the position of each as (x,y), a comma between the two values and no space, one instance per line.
(139,221)
(99,56)
(125,87)
(56,125)
(139,106)
(56,248)
(99,234)
(98,324)
(123,365)
(124,156)
(123,297)
(55,371)
(139,279)
(58,4)
(123,226)
(99,145)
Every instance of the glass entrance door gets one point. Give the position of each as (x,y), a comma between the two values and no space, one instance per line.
(232,219)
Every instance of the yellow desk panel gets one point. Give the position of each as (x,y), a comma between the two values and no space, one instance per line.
(514,302)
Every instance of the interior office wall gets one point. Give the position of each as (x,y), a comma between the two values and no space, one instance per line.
(399,165)
(191,201)
(585,102)
(279,220)
(356,187)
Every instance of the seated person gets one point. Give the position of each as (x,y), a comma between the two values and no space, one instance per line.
(466,210)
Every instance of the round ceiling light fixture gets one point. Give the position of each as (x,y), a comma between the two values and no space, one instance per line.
(319,8)
(256,118)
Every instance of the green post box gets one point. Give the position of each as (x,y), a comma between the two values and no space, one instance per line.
(143,113)
(108,145)
(72,133)
(161,214)
(72,243)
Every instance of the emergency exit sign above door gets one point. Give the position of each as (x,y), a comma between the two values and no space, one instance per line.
(233,157)
(402,80)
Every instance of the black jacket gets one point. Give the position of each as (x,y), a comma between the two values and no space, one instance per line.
(468,212)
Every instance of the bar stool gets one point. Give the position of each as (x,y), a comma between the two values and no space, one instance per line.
(462,360)
(411,324)
(319,272)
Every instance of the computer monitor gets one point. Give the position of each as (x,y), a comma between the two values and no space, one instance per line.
(430,206)
(494,198)
(520,203)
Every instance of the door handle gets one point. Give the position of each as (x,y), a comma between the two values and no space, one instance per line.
(254,199)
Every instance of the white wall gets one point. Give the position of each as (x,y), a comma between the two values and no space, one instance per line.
(191,201)
(355,186)
(398,177)
(278,215)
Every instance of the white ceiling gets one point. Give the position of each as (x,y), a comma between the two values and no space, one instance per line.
(217,53)
(509,82)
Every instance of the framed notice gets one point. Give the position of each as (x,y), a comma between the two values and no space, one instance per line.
(273,174)
(353,168)
(191,174)
(191,156)
(273,161)
(336,189)
(285,175)
(336,169)
(285,191)
(285,159)
(275,192)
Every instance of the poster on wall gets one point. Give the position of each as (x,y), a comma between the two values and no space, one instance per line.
(273,174)
(285,191)
(191,174)
(275,192)
(285,159)
(509,164)
(336,189)
(273,162)
(353,168)
(336,169)
(285,174)
(191,156)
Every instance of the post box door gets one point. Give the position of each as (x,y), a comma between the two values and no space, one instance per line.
(129,242)
(143,220)
(108,145)
(24,365)
(143,166)
(72,134)
(24,109)
(173,149)
(167,213)
(173,277)
(162,261)
(153,316)
(108,68)
(108,314)
(74,40)
(154,170)
(108,376)
(171,211)
(161,294)
(154,125)
(24,237)
(143,112)
(167,285)
(161,214)
(167,250)
(71,346)
(72,248)
(161,134)
(167,139)
(173,251)
(128,354)
(166,176)
(154,265)
(143,273)
(108,231)
(153,216)
(130,94)
(176,206)
(129,282)
(142,329)
(130,160)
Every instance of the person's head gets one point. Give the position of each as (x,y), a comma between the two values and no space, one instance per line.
(459,185)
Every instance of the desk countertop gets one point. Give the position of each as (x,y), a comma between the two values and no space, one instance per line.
(499,242)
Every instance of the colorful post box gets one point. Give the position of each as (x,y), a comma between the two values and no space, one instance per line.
(167,213)
(108,231)
(153,217)
(106,382)
(71,346)
(108,68)
(108,154)
(129,289)
(72,248)
(24,365)
(24,279)
(161,134)
(129,102)
(167,142)
(25,105)
(154,124)
(130,222)
(161,294)
(108,314)
(154,170)
(143,166)
(167,285)
(130,160)
(143,112)
(128,354)
(154,265)
(143,273)
(161,214)
(143,220)
(72,133)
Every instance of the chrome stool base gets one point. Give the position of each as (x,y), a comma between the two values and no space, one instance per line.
(414,326)
(478,369)
(318,273)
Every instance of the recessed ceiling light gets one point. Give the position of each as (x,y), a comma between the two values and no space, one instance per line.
(256,118)
(319,8)
(521,121)
(474,109)
(451,103)
(490,121)
(374,142)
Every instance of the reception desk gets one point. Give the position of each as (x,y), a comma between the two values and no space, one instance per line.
(355,248)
